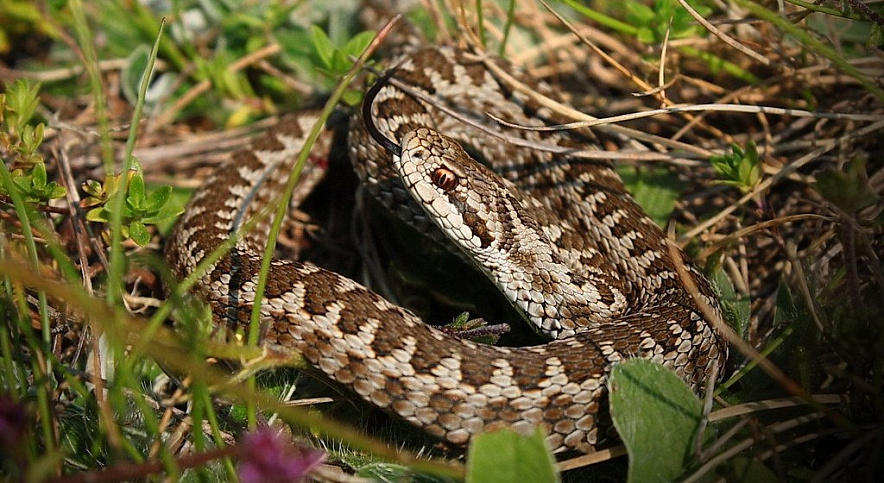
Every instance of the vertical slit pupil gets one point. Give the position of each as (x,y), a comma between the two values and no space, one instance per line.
(444,178)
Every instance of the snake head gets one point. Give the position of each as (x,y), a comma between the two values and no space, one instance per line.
(484,215)
(476,208)
(443,179)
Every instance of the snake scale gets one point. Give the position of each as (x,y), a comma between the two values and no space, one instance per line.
(559,236)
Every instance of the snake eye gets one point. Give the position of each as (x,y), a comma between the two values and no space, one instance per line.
(444,178)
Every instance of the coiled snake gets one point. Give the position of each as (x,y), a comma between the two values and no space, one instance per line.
(559,236)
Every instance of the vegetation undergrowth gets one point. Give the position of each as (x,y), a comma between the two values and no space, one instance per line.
(751,131)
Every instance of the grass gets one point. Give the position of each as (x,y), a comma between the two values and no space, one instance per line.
(757,141)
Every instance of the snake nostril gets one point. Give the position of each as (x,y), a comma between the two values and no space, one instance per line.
(444,178)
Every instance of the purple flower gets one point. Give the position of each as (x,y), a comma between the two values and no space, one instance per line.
(268,456)
(13,424)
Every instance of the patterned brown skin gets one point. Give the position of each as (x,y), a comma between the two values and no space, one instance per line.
(590,230)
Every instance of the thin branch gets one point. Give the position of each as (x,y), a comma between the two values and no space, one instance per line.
(724,37)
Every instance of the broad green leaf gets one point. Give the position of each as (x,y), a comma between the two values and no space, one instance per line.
(138,233)
(639,13)
(505,456)
(848,188)
(340,62)
(736,308)
(31,138)
(741,169)
(21,102)
(23,183)
(162,215)
(352,97)
(655,189)
(324,47)
(656,415)
(97,215)
(136,191)
(297,49)
(93,188)
(787,310)
(358,43)
(157,199)
(133,70)
(38,175)
(876,36)
(165,218)
(748,470)
(55,191)
(393,473)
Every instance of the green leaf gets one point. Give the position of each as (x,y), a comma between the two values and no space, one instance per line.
(162,216)
(506,456)
(21,102)
(38,176)
(133,70)
(743,469)
(324,47)
(787,310)
(358,43)
(876,36)
(31,138)
(157,199)
(93,187)
(136,191)
(645,35)
(639,13)
(23,182)
(460,322)
(655,189)
(736,308)
(98,215)
(740,168)
(352,97)
(165,218)
(656,415)
(340,63)
(393,473)
(138,233)
(849,189)
(54,190)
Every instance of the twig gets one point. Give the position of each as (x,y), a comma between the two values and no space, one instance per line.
(743,232)
(591,458)
(809,299)
(745,444)
(572,113)
(707,407)
(585,154)
(840,458)
(55,75)
(695,107)
(724,37)
(770,404)
(38,207)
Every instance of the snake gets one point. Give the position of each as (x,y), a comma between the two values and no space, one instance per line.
(559,236)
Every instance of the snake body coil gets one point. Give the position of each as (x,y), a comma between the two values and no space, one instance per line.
(560,237)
